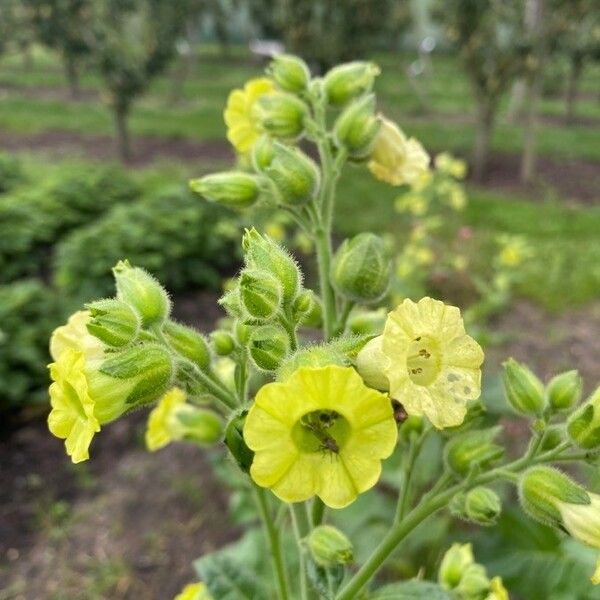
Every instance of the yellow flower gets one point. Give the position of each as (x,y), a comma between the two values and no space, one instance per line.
(321,432)
(430,365)
(397,159)
(194,591)
(75,335)
(455,167)
(242,128)
(173,419)
(497,590)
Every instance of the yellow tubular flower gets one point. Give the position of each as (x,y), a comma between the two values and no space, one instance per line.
(432,366)
(397,159)
(75,335)
(158,433)
(321,432)
(242,128)
(194,591)
(497,590)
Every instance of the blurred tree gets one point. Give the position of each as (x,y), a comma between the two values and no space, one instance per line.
(133,41)
(325,32)
(574,30)
(490,40)
(16,28)
(62,25)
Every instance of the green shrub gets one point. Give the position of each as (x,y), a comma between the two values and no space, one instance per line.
(174,235)
(34,218)
(28,314)
(11,173)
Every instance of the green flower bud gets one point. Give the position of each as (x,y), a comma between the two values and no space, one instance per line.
(263,153)
(231,303)
(330,547)
(524,391)
(188,343)
(289,72)
(307,309)
(260,293)
(222,342)
(454,564)
(151,365)
(142,292)
(474,584)
(242,333)
(296,176)
(268,346)
(234,440)
(357,127)
(361,269)
(264,254)
(410,427)
(543,491)
(482,506)
(233,188)
(197,425)
(371,364)
(281,115)
(473,449)
(564,390)
(113,322)
(552,438)
(313,357)
(583,425)
(367,321)
(347,81)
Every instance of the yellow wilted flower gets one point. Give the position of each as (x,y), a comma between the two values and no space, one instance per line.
(242,128)
(321,432)
(194,591)
(428,362)
(397,159)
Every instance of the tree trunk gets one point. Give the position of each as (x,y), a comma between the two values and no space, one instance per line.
(517,101)
(534,21)
(72,76)
(121,114)
(486,112)
(573,86)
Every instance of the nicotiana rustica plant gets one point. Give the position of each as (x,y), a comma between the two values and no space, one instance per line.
(309,424)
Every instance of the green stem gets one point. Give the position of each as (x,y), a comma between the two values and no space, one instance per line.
(318,511)
(301,529)
(273,541)
(323,248)
(414,449)
(428,506)
(216,388)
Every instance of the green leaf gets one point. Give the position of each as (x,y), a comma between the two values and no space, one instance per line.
(411,590)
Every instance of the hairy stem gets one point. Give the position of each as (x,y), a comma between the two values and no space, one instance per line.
(274,542)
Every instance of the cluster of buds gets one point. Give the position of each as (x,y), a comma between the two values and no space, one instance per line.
(125,352)
(465,579)
(526,393)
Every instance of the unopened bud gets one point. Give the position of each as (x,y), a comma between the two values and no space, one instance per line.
(281,115)
(307,309)
(330,547)
(552,438)
(142,292)
(295,175)
(524,391)
(113,322)
(263,153)
(479,505)
(473,449)
(264,254)
(234,440)
(361,269)
(367,321)
(149,365)
(260,293)
(454,564)
(474,584)
(268,346)
(290,73)
(347,81)
(222,342)
(583,425)
(542,491)
(410,426)
(371,364)
(313,357)
(357,127)
(232,188)
(188,342)
(231,303)
(564,390)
